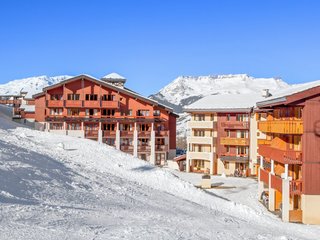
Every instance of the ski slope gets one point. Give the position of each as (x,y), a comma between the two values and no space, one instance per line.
(59,187)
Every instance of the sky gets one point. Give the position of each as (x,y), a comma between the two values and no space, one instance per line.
(151,42)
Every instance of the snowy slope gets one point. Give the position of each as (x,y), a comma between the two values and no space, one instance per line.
(186,90)
(31,85)
(59,187)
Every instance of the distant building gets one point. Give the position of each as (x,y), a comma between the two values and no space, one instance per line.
(223,135)
(289,173)
(106,111)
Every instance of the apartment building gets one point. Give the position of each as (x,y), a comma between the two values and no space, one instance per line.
(106,111)
(289,175)
(220,137)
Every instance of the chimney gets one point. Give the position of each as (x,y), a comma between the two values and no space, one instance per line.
(266,93)
(114,79)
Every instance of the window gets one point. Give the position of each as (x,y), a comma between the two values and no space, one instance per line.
(143,142)
(199,163)
(73,111)
(226,165)
(108,112)
(108,97)
(227,149)
(110,141)
(228,133)
(241,150)
(199,133)
(56,111)
(242,134)
(143,113)
(156,113)
(109,127)
(228,117)
(56,126)
(74,126)
(91,97)
(242,117)
(91,112)
(56,97)
(144,127)
(199,117)
(73,97)
(125,127)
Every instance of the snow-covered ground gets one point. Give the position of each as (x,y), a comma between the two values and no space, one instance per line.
(59,187)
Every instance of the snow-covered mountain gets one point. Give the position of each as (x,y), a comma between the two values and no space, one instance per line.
(31,85)
(186,90)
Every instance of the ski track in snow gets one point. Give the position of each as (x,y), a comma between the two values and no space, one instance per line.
(59,187)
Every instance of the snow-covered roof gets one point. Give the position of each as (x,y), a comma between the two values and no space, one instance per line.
(226,102)
(114,76)
(280,95)
(125,90)
(28,108)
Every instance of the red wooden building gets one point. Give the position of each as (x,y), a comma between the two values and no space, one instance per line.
(106,111)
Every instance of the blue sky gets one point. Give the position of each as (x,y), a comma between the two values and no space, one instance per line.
(152,42)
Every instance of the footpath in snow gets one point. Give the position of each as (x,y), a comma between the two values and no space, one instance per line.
(59,187)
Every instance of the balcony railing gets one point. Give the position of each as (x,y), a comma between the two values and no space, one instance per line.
(73,103)
(163,133)
(276,182)
(264,142)
(144,148)
(146,134)
(91,133)
(126,148)
(161,148)
(126,133)
(91,104)
(282,126)
(264,176)
(107,133)
(202,124)
(295,187)
(54,103)
(234,141)
(235,125)
(282,156)
(110,104)
(234,158)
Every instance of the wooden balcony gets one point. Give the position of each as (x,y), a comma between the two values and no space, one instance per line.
(144,148)
(276,182)
(91,104)
(235,125)
(126,148)
(73,103)
(264,176)
(106,134)
(55,103)
(91,133)
(264,142)
(201,124)
(295,187)
(161,148)
(234,158)
(279,155)
(163,133)
(281,126)
(234,141)
(127,134)
(110,104)
(144,134)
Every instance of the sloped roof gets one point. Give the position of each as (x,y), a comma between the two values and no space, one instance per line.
(227,102)
(281,95)
(123,90)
